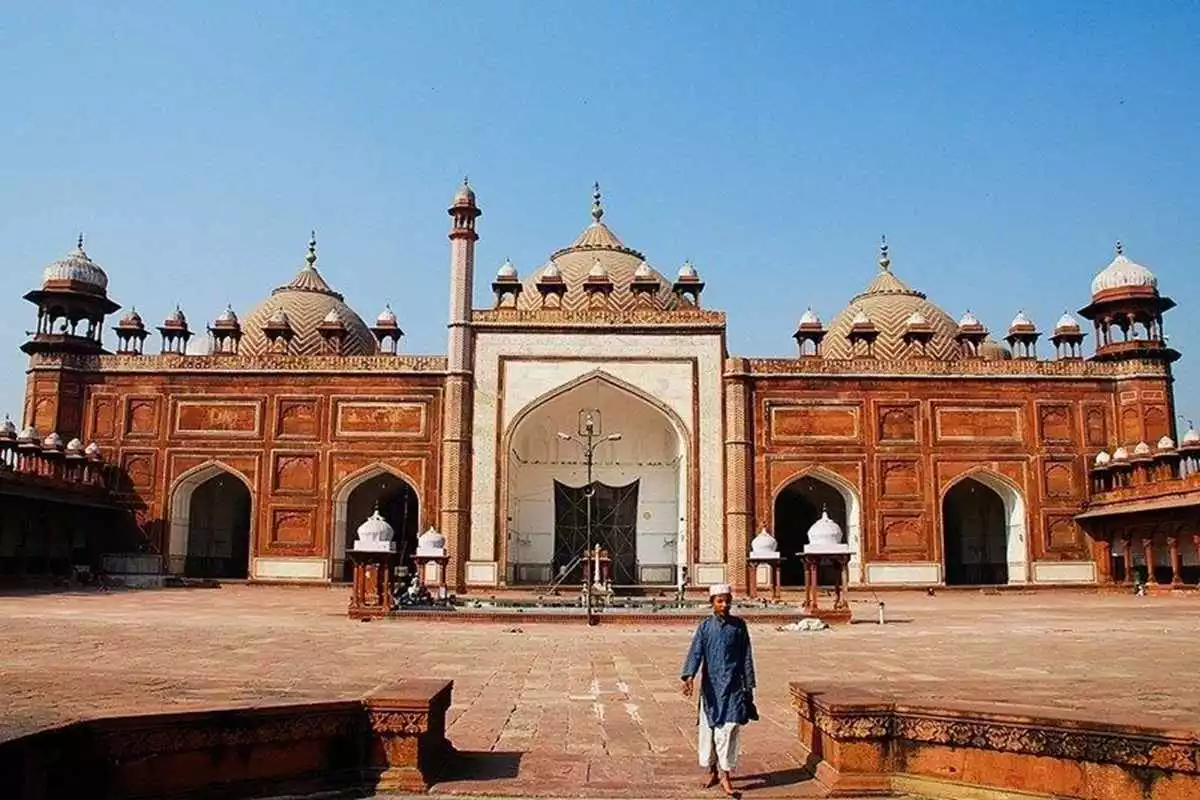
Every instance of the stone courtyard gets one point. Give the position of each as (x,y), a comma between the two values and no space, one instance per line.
(564,710)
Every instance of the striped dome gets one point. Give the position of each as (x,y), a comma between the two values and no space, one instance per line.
(889,304)
(305,302)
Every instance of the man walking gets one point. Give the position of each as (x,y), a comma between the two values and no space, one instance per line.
(722,646)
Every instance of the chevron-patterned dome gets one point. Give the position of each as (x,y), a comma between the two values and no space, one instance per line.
(305,302)
(889,304)
(599,253)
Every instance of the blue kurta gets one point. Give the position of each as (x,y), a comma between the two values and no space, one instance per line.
(722,646)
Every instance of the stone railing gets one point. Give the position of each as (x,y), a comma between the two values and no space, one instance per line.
(30,465)
(686,316)
(393,740)
(859,743)
(927,367)
(225,362)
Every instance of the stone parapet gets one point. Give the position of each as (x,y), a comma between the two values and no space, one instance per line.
(683,316)
(862,742)
(385,363)
(964,368)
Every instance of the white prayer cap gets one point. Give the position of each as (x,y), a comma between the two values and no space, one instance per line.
(720,588)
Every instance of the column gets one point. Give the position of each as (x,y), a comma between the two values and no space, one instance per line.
(1127,555)
(1176,561)
(739,471)
(1148,554)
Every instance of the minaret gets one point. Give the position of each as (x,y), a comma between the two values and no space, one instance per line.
(459,395)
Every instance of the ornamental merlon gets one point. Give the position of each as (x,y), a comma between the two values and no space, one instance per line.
(684,316)
(270,363)
(966,368)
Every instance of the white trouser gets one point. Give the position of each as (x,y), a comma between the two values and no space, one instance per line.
(719,745)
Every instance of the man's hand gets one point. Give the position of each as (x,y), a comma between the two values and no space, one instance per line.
(687,687)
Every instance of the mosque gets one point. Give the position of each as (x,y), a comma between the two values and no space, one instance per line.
(945,453)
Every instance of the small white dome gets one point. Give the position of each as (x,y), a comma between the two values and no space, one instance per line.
(431,541)
(598,270)
(1141,449)
(916,318)
(74,446)
(132,320)
(8,430)
(764,544)
(810,317)
(386,317)
(1066,323)
(507,270)
(333,317)
(77,267)
(968,320)
(177,317)
(1122,273)
(1120,454)
(1020,321)
(92,450)
(228,315)
(860,318)
(1192,436)
(552,271)
(824,532)
(280,318)
(53,442)
(1102,459)
(1166,443)
(29,434)
(688,270)
(643,271)
(375,534)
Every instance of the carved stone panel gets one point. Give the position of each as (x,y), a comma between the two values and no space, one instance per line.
(292,527)
(1096,424)
(137,470)
(219,418)
(1131,425)
(141,416)
(1055,423)
(44,414)
(1062,533)
(900,478)
(897,424)
(103,424)
(383,418)
(1059,480)
(981,424)
(814,422)
(1156,424)
(298,418)
(294,473)
(901,534)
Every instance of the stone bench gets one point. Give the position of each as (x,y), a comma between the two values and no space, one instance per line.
(393,739)
(860,742)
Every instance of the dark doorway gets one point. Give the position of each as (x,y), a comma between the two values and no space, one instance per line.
(614,528)
(797,507)
(219,529)
(397,503)
(975,533)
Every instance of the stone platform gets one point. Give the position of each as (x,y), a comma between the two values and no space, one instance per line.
(571,711)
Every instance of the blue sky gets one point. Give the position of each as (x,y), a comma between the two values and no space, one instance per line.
(1001,146)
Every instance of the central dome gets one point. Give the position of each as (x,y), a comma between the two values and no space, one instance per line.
(888,303)
(597,252)
(306,301)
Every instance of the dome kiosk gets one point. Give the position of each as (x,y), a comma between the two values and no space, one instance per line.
(826,544)
(763,564)
(430,559)
(374,557)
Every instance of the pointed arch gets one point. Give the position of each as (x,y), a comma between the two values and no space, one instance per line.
(341,502)
(682,497)
(181,508)
(853,500)
(1015,519)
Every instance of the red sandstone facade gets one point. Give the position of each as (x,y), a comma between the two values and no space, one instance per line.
(943,457)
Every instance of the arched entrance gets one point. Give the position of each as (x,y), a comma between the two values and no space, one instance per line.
(797,506)
(983,532)
(211,523)
(639,509)
(358,497)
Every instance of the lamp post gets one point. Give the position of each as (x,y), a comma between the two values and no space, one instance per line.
(589,438)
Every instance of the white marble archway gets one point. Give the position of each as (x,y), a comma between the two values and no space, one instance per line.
(341,500)
(853,501)
(1016,540)
(181,510)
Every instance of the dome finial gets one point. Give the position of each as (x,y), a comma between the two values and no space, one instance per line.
(597,206)
(79,242)
(466,180)
(885,262)
(1120,248)
(311,257)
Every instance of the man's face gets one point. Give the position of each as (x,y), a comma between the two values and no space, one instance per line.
(720,605)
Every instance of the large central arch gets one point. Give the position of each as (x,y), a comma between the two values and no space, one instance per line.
(228,522)
(640,509)
(353,501)
(973,541)
(817,483)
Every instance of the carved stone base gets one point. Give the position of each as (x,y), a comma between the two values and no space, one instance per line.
(371,595)
(409,747)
